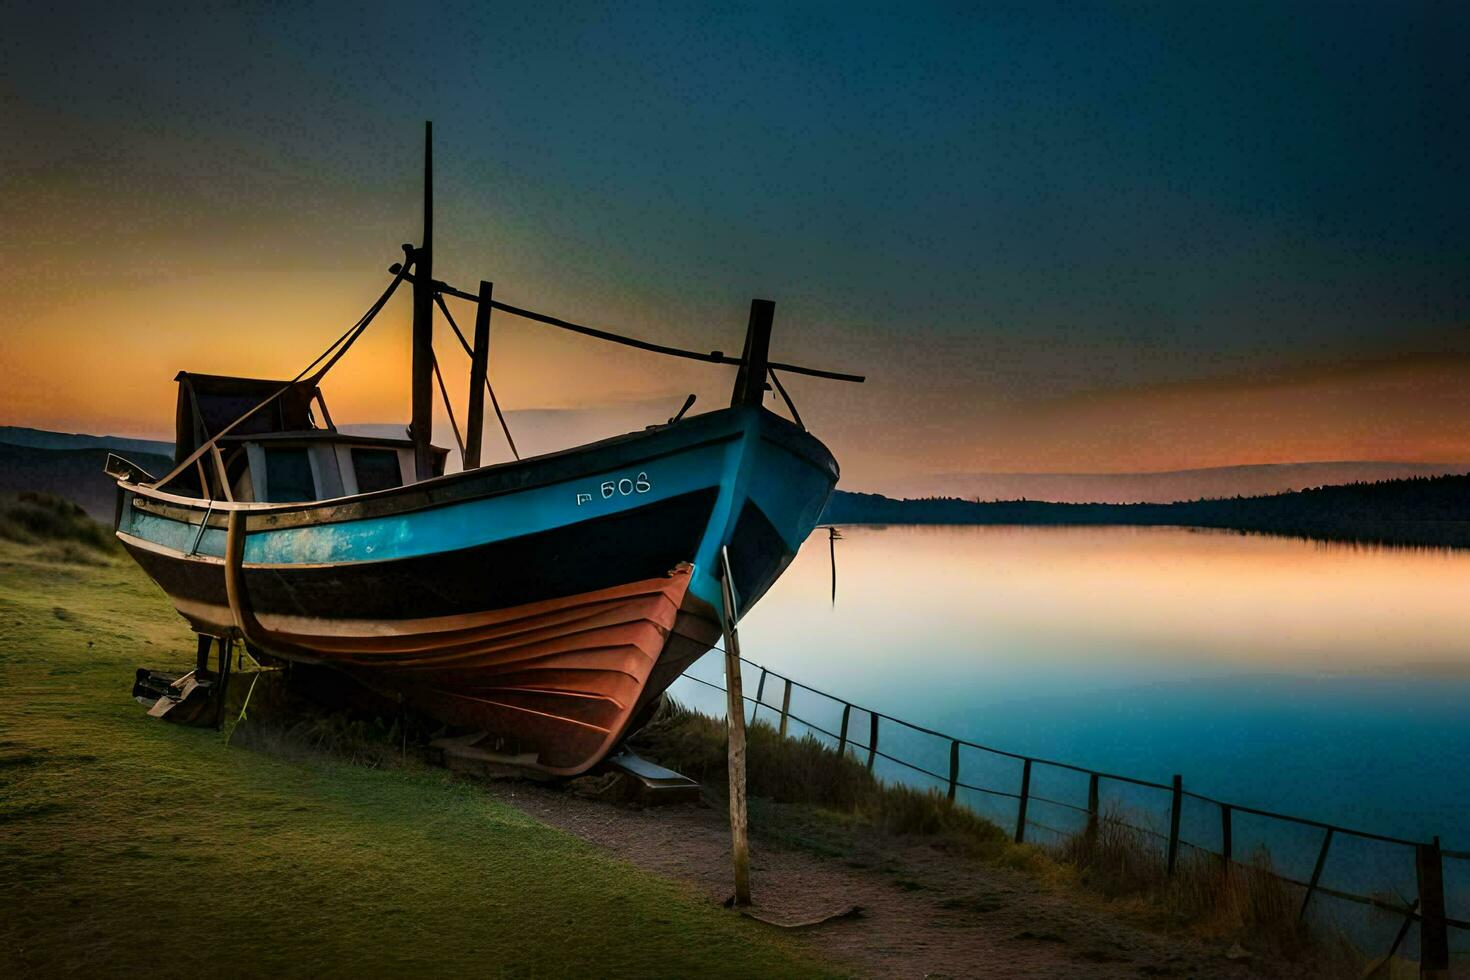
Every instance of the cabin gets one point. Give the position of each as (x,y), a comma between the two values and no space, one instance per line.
(287,452)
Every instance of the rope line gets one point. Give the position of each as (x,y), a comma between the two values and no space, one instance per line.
(713,357)
(448,408)
(494,402)
(345,341)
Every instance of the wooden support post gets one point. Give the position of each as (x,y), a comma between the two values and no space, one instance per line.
(1434,939)
(739,835)
(1092,805)
(479,364)
(954,767)
(222,682)
(1316,873)
(201,655)
(1227,842)
(842,738)
(750,380)
(1175,806)
(785,707)
(1025,796)
(422,423)
(873,717)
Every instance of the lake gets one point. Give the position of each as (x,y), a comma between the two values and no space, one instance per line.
(1326,681)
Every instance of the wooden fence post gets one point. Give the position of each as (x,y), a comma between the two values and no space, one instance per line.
(872,738)
(954,767)
(1025,795)
(1316,872)
(739,833)
(1092,807)
(785,707)
(1434,940)
(1227,844)
(842,739)
(1174,808)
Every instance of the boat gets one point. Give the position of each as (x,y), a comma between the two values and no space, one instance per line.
(539,606)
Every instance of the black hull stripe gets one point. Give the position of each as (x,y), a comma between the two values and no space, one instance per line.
(585,557)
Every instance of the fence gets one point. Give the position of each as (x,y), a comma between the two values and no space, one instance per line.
(1038,782)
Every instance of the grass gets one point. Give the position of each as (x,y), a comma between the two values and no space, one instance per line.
(42,518)
(1122,867)
(129,846)
(806,772)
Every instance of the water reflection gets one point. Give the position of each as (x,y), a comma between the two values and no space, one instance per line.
(1324,680)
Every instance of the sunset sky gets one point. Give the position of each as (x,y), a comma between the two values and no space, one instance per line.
(1057,238)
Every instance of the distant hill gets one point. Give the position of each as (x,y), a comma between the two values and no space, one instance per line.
(41,439)
(1164,487)
(75,474)
(1427,511)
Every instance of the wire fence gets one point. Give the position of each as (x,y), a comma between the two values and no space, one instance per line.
(1397,883)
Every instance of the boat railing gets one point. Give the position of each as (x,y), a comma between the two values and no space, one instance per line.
(1376,871)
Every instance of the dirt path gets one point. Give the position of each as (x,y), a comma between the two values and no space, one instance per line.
(925,913)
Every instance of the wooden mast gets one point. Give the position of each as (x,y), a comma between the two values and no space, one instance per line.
(479,358)
(750,380)
(422,425)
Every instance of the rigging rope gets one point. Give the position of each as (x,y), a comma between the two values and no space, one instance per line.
(713,357)
(448,408)
(795,415)
(340,345)
(494,402)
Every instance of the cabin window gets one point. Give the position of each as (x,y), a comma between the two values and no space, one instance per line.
(377,469)
(288,475)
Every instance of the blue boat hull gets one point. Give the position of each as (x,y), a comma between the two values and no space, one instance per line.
(544,602)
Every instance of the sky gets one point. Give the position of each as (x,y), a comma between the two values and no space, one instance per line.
(1067,238)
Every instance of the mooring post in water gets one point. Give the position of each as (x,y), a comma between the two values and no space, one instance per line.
(1175,806)
(1434,938)
(739,838)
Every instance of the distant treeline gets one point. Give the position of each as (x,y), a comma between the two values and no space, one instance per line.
(1420,511)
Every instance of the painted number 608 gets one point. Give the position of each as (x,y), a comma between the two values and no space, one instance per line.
(626,487)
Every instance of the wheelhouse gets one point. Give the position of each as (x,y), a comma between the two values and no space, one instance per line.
(288,452)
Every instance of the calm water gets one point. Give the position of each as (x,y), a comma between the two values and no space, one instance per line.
(1326,681)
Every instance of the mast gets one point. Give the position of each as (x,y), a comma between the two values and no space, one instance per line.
(422,425)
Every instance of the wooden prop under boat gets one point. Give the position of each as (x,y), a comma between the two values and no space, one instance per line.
(545,601)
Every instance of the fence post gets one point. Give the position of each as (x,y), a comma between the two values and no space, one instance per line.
(842,739)
(785,707)
(1227,844)
(1025,795)
(872,738)
(1092,805)
(1316,872)
(1174,808)
(954,767)
(760,690)
(1434,940)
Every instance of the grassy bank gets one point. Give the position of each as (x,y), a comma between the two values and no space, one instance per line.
(133,846)
(821,799)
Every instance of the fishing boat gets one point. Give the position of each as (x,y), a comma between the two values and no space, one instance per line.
(541,605)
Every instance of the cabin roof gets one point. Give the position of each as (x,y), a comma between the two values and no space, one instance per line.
(210,402)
